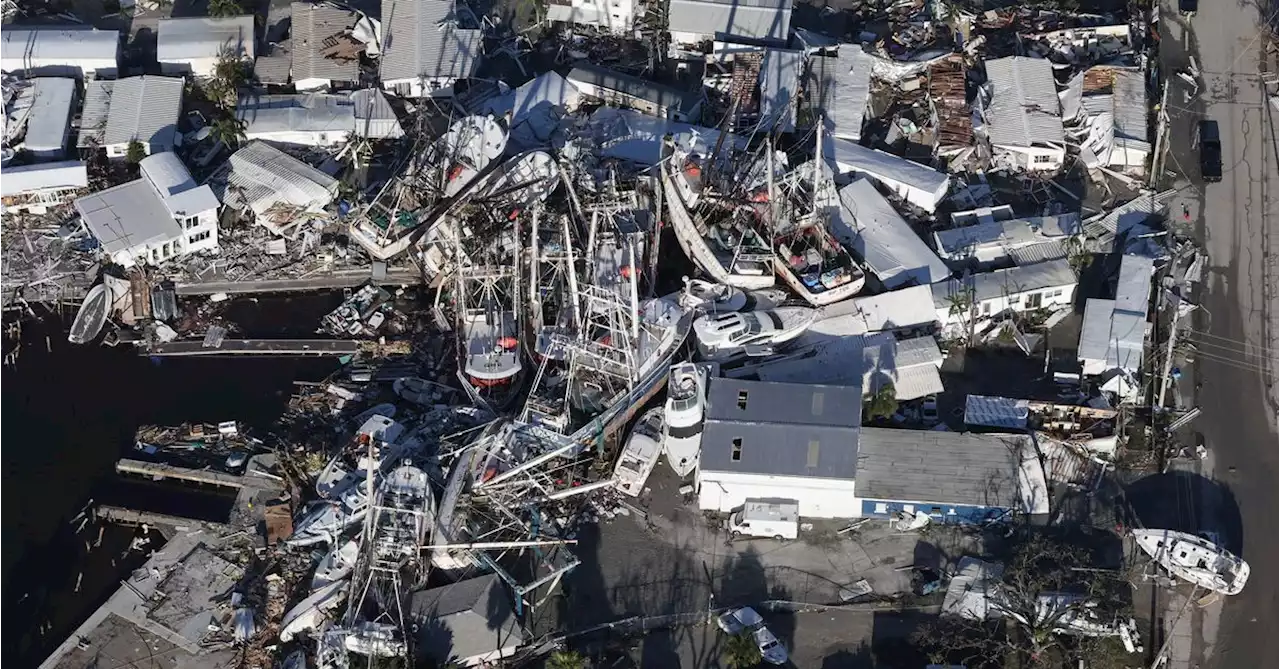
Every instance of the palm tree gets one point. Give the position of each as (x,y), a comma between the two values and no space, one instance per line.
(566,659)
(883,403)
(740,651)
(961,304)
(229,130)
(135,152)
(224,8)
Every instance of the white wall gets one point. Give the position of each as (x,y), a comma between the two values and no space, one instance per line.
(200,67)
(202,234)
(1035,158)
(311,85)
(329,138)
(440,87)
(818,498)
(1017,302)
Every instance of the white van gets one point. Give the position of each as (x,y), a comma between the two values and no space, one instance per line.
(777,518)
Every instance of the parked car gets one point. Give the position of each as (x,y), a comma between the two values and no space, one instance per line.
(746,619)
(929,409)
(1210,152)
(1188,7)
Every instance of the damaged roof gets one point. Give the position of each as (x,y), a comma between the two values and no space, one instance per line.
(1114,331)
(1024,110)
(873,229)
(306,112)
(636,87)
(195,37)
(317,29)
(1011,281)
(846,86)
(990,240)
(422,39)
(758,19)
(145,108)
(261,176)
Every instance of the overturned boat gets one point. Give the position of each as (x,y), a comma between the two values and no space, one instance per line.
(1195,559)
(683,413)
(640,454)
(756,333)
(92,315)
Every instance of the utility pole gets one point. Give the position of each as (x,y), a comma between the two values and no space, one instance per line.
(1168,354)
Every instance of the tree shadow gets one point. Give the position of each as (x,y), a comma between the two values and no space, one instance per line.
(434,642)
(859,658)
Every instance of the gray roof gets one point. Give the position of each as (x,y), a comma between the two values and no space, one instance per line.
(892,171)
(912,365)
(261,175)
(40,176)
(890,310)
(194,37)
(303,112)
(965,242)
(38,45)
(274,66)
(759,19)
(1131,110)
(1002,412)
(942,467)
(780,88)
(93,114)
(847,87)
(872,228)
(312,25)
(49,121)
(374,116)
(1015,280)
(179,192)
(1114,331)
(465,619)
(1024,110)
(636,87)
(785,429)
(126,216)
(144,108)
(421,39)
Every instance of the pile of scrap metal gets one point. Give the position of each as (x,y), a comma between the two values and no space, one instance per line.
(361,314)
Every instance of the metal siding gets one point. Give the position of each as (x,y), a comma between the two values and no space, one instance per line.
(1025,109)
(872,228)
(757,19)
(422,41)
(1012,281)
(262,175)
(814,502)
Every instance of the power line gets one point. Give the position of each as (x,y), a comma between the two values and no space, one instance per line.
(1200,333)
(1265,353)
(1235,363)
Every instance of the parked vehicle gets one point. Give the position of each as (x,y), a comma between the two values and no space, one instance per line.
(1210,152)
(929,410)
(777,518)
(746,619)
(1188,7)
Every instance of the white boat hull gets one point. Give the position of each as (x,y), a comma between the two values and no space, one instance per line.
(1195,559)
(92,315)
(336,566)
(638,458)
(695,245)
(829,296)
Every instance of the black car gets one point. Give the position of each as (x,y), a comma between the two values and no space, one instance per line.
(1188,7)
(1210,152)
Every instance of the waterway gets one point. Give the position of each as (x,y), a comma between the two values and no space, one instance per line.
(69,412)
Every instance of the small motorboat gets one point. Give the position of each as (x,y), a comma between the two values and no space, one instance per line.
(682,429)
(416,390)
(328,519)
(386,410)
(1195,559)
(336,566)
(92,315)
(754,333)
(313,611)
(717,298)
(640,454)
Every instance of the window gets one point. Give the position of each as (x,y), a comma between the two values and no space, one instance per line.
(190,222)
(166,250)
(817,404)
(1042,159)
(736,453)
(986,308)
(881,507)
(1033,300)
(742,400)
(199,237)
(814,450)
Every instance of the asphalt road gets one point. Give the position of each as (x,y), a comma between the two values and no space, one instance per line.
(1236,335)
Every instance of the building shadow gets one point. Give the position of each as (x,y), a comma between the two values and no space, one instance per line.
(1187,502)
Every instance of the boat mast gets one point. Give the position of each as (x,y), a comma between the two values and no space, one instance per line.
(535,306)
(571,268)
(817,158)
(773,189)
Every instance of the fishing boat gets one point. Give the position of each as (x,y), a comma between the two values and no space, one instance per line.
(718,235)
(755,333)
(336,565)
(451,519)
(489,348)
(640,454)
(683,411)
(1195,559)
(92,315)
(440,173)
(404,517)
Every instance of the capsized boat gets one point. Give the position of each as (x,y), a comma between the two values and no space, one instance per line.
(328,519)
(1195,559)
(640,454)
(336,566)
(684,409)
(755,333)
(92,315)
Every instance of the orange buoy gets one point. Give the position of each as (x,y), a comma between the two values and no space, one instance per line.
(625,271)
(508,342)
(692,170)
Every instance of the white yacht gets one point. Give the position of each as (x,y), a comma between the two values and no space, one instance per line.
(1195,559)
(682,427)
(640,454)
(336,566)
(756,333)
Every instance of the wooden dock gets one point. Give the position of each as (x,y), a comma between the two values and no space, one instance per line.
(156,470)
(317,347)
(119,514)
(395,276)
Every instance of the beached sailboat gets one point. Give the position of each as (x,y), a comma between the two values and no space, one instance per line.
(718,235)
(1195,559)
(756,333)
(640,454)
(92,315)
(683,412)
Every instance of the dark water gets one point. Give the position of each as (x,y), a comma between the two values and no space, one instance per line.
(70,412)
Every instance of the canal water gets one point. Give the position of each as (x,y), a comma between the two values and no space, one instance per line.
(69,412)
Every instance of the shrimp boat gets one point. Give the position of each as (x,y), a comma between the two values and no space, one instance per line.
(1195,559)
(92,315)
(640,454)
(402,519)
(756,333)
(684,410)
(489,349)
(447,167)
(720,237)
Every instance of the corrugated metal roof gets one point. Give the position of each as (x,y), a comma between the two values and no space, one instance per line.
(1024,109)
(1001,412)
(872,228)
(636,87)
(127,216)
(49,121)
(262,175)
(1104,228)
(911,365)
(312,25)
(847,86)
(189,38)
(72,46)
(422,40)
(1012,281)
(274,66)
(1038,253)
(1007,235)
(758,19)
(930,185)
(304,112)
(780,88)
(781,429)
(42,176)
(374,116)
(902,308)
(943,467)
(145,108)
(93,114)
